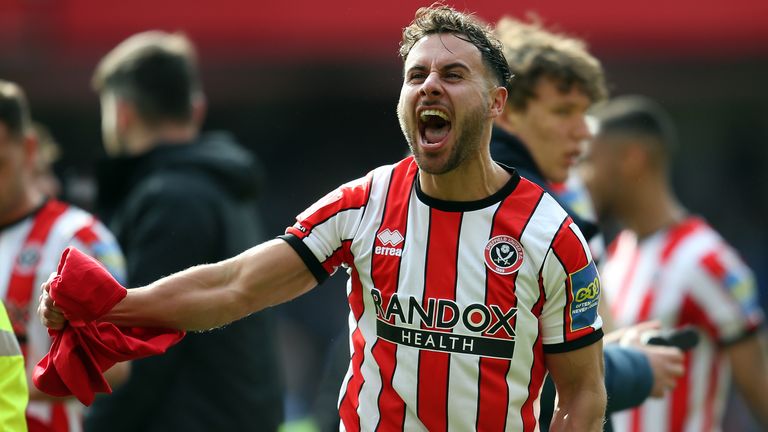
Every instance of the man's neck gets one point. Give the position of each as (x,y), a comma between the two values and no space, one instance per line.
(143,141)
(653,209)
(474,180)
(31,200)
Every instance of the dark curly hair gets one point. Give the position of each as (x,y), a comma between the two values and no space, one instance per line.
(440,18)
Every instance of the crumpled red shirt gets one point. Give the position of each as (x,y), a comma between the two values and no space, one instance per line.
(85,348)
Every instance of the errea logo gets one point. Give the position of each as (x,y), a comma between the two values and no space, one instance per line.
(389,239)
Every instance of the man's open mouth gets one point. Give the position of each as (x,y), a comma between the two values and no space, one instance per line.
(434,126)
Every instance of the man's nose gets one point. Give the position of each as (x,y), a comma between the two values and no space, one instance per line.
(581,129)
(431,86)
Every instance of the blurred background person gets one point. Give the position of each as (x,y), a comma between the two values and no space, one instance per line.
(541,134)
(34,230)
(176,198)
(13,380)
(48,152)
(671,266)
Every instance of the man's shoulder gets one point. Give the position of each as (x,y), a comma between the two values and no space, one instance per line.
(385,175)
(73,226)
(546,207)
(71,220)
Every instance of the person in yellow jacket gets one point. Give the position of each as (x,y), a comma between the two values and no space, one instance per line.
(13,381)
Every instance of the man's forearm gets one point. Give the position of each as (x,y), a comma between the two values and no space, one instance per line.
(194,299)
(749,365)
(583,413)
(579,379)
(212,295)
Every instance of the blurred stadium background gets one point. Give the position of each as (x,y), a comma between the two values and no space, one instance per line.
(311,87)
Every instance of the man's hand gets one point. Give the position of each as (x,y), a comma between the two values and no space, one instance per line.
(667,366)
(666,362)
(49,314)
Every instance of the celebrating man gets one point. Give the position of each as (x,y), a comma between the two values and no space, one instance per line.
(467,282)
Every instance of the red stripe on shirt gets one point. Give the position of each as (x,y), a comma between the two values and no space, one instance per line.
(439,283)
(22,280)
(713,265)
(511,218)
(673,239)
(690,313)
(570,251)
(636,419)
(678,405)
(86,234)
(678,233)
(538,370)
(351,399)
(340,256)
(385,274)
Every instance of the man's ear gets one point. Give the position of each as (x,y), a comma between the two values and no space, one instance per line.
(498,101)
(126,115)
(31,147)
(634,160)
(199,109)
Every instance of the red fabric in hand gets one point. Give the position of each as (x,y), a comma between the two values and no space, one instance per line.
(84,349)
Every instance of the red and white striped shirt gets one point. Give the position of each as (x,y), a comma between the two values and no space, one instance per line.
(453,304)
(683,275)
(30,249)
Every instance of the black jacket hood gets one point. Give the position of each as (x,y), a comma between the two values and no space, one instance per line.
(510,150)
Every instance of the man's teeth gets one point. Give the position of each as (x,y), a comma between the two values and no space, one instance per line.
(424,114)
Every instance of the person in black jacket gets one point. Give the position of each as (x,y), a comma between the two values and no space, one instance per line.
(177,198)
(541,134)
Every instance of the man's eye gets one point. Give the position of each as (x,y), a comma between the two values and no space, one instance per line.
(416,77)
(453,76)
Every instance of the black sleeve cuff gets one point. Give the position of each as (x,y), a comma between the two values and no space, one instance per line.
(748,333)
(574,344)
(307,256)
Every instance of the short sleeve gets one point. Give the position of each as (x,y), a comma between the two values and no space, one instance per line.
(569,318)
(722,297)
(323,233)
(97,241)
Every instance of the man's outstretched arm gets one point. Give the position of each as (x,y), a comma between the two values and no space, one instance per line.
(208,296)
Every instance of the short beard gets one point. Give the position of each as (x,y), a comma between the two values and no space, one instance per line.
(467,143)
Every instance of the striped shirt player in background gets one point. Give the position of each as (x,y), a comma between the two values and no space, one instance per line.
(34,230)
(467,283)
(673,267)
(542,133)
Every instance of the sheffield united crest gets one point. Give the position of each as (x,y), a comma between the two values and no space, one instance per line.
(503,254)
